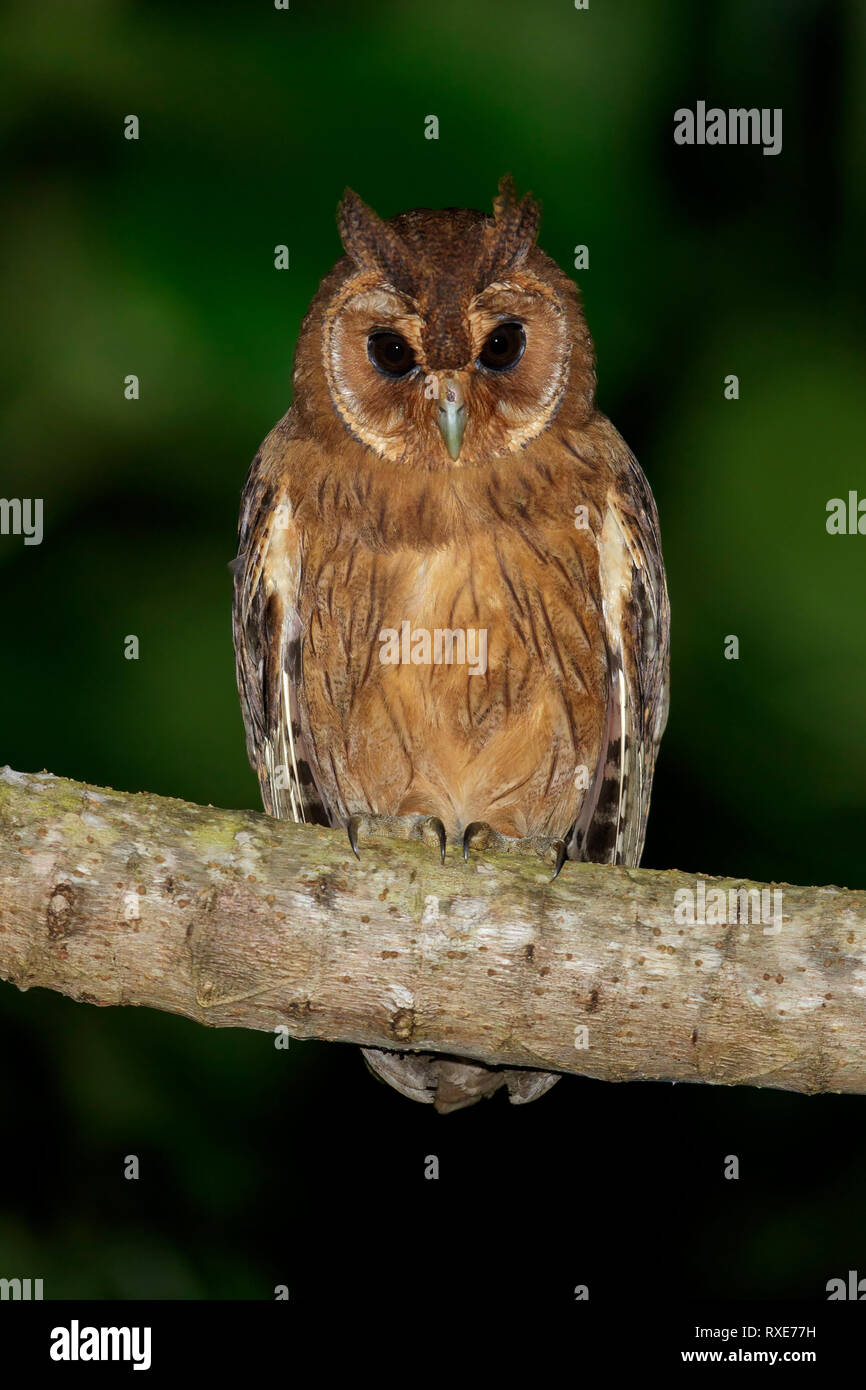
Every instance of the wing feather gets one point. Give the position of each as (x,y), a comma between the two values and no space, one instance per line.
(611,827)
(268,648)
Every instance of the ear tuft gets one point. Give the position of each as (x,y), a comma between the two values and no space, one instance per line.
(511,236)
(372,244)
(355,222)
(520,218)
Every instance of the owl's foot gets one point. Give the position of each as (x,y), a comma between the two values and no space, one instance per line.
(428,829)
(480,835)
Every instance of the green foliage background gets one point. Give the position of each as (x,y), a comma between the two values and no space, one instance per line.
(156,257)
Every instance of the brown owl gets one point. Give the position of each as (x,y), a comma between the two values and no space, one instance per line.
(450,615)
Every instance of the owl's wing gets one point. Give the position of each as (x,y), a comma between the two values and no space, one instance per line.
(611,826)
(267,640)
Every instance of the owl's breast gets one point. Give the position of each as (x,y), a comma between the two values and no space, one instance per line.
(465,679)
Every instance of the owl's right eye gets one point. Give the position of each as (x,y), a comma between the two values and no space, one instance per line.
(390,353)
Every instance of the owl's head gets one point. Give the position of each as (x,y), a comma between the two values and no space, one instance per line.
(447,338)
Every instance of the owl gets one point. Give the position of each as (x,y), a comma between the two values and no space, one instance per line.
(450,610)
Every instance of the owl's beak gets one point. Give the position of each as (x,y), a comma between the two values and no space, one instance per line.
(451,414)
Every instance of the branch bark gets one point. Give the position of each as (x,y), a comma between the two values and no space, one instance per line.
(234,919)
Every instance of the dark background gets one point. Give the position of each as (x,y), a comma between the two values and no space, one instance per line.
(262,1167)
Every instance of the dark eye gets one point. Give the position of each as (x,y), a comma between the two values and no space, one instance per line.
(503,347)
(390,353)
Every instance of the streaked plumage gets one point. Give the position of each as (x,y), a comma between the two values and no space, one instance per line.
(357,516)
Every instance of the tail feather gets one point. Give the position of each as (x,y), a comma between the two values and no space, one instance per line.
(450,1083)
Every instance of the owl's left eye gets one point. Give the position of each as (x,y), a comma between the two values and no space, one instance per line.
(390,353)
(503,347)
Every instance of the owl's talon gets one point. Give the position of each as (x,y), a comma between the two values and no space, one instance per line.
(561,856)
(469,833)
(562,852)
(400,827)
(434,823)
(352,831)
(485,837)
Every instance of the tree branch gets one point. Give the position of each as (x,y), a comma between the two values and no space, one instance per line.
(238,920)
